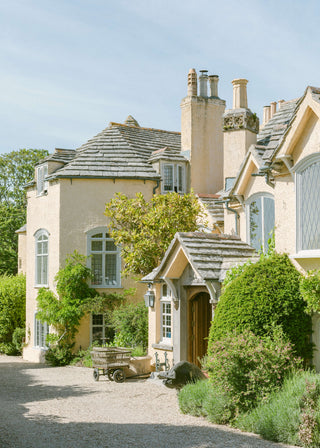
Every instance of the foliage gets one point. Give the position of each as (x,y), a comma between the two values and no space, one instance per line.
(192,398)
(18,337)
(310,290)
(282,418)
(145,229)
(65,312)
(131,324)
(12,305)
(265,294)
(16,169)
(82,358)
(247,368)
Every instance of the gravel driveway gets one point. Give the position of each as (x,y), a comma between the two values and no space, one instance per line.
(62,407)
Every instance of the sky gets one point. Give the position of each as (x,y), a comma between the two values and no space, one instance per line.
(69,67)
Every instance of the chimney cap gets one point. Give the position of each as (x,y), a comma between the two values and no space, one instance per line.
(203,72)
(213,76)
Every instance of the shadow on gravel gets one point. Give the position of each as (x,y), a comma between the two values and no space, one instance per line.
(16,431)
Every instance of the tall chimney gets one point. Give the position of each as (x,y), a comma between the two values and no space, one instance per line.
(213,85)
(203,80)
(266,115)
(192,83)
(273,108)
(280,103)
(240,93)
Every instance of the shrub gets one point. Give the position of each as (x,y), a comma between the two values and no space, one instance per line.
(281,417)
(12,305)
(59,354)
(18,338)
(130,322)
(266,293)
(246,369)
(192,397)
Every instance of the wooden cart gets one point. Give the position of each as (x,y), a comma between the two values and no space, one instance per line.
(110,361)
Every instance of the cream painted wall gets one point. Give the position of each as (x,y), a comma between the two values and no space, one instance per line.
(22,253)
(236,144)
(67,212)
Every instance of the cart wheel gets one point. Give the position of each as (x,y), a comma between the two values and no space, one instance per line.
(96,374)
(119,376)
(110,374)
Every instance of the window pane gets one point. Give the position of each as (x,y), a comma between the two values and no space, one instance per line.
(97,319)
(110,246)
(268,209)
(111,269)
(44,277)
(180,178)
(255,224)
(96,268)
(310,207)
(97,235)
(164,290)
(168,178)
(96,246)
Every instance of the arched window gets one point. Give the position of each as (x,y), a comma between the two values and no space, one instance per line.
(104,259)
(308,203)
(41,251)
(260,220)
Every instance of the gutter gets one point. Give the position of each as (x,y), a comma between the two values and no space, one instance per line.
(226,202)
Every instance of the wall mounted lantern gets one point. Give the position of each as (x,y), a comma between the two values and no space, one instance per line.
(149,297)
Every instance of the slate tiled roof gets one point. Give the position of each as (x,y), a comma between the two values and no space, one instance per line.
(211,203)
(271,135)
(60,155)
(169,154)
(210,255)
(119,151)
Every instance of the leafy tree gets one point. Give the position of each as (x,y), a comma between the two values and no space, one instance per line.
(266,293)
(144,229)
(16,169)
(12,308)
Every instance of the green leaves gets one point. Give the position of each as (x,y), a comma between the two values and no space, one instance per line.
(145,229)
(16,169)
(12,305)
(310,290)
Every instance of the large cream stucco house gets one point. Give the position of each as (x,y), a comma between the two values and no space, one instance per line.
(270,181)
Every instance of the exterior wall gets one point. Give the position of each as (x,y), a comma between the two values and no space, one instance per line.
(236,144)
(201,134)
(22,253)
(69,210)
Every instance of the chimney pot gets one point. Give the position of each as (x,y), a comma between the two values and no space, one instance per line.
(240,93)
(203,80)
(273,108)
(266,115)
(280,104)
(213,83)
(192,82)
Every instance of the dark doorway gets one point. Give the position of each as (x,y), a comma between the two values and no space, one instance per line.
(200,315)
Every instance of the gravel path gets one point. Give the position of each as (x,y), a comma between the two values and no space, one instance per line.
(62,407)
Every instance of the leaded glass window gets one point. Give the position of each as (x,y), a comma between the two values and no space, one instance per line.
(41,331)
(173,178)
(41,249)
(260,221)
(308,207)
(105,260)
(166,314)
(101,330)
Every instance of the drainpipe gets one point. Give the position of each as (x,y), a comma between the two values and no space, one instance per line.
(236,217)
(157,186)
(226,202)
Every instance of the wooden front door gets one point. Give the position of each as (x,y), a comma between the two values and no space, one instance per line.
(200,315)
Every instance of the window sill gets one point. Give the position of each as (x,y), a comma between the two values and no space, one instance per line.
(41,286)
(160,346)
(106,287)
(315,253)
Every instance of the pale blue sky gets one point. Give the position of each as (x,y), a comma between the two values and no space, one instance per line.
(69,67)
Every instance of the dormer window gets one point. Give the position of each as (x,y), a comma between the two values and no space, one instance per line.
(173,178)
(42,184)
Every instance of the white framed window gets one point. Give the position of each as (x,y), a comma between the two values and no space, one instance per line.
(166,314)
(42,184)
(260,220)
(101,330)
(308,203)
(42,254)
(41,331)
(173,178)
(104,259)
